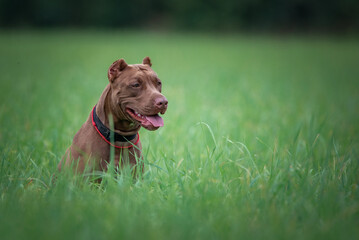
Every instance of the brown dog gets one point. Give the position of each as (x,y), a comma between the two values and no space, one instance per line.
(132,99)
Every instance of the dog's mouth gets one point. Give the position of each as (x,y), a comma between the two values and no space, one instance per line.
(150,122)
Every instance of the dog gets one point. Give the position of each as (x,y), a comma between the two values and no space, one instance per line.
(132,99)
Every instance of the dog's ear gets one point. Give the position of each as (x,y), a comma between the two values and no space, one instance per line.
(147,61)
(115,69)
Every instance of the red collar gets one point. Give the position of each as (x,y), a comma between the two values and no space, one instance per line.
(106,138)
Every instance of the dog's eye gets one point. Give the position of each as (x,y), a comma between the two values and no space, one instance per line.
(135,85)
(159,83)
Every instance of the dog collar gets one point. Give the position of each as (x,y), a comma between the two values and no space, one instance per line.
(105,132)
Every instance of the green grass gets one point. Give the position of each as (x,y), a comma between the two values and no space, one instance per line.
(260,139)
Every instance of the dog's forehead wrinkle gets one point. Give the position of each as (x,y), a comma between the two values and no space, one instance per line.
(142,67)
(145,75)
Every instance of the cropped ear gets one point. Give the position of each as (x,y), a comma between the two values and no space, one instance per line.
(147,61)
(115,69)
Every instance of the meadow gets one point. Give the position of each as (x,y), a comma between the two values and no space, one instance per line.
(260,138)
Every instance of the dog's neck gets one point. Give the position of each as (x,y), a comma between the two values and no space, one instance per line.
(105,108)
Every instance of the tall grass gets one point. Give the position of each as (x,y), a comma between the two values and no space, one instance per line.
(260,139)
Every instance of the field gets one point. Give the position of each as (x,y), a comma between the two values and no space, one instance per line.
(260,139)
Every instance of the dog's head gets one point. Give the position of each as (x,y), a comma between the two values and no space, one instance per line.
(136,90)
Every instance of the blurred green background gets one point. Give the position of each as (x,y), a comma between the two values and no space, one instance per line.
(224,15)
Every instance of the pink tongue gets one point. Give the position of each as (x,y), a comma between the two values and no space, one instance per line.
(156,120)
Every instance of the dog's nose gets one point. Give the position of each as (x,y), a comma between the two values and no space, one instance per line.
(161,102)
